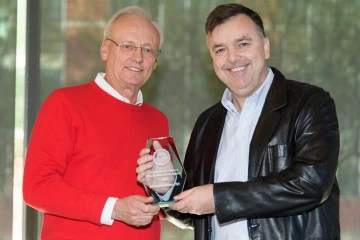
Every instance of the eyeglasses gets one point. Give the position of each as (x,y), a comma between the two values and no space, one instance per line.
(128,48)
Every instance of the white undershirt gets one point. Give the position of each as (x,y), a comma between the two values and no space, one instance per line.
(233,156)
(100,81)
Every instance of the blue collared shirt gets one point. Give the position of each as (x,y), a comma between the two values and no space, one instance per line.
(233,156)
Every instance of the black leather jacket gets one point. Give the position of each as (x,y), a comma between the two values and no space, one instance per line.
(292,192)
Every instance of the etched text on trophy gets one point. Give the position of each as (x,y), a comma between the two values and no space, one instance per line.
(163,178)
(167,176)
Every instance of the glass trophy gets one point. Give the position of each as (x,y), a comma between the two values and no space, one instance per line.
(167,176)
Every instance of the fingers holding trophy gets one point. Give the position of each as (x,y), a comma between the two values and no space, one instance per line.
(167,176)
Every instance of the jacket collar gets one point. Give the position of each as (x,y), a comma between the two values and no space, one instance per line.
(268,120)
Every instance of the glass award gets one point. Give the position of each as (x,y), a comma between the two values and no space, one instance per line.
(167,176)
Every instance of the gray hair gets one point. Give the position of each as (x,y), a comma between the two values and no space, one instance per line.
(132,10)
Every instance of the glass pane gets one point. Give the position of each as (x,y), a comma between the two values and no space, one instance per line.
(311,41)
(7,112)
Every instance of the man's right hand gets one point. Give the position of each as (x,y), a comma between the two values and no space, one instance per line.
(144,163)
(135,210)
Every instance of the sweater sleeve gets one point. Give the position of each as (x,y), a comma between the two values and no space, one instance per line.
(50,149)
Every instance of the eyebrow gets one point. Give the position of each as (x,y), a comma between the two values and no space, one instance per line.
(148,45)
(217,46)
(243,39)
(235,41)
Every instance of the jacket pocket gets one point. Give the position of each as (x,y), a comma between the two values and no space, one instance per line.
(279,157)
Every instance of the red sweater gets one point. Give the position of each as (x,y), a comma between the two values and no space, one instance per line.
(83,149)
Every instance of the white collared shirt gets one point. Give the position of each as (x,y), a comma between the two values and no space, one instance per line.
(104,85)
(233,156)
(100,81)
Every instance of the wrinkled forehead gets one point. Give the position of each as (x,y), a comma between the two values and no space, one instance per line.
(136,29)
(237,27)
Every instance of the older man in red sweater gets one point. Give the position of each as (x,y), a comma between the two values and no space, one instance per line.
(81,160)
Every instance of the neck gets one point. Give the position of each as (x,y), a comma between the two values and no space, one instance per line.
(129,92)
(238,102)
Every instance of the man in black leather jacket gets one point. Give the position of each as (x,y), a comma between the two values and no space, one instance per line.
(290,157)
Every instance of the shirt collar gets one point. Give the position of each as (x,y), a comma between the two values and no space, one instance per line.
(258,96)
(104,85)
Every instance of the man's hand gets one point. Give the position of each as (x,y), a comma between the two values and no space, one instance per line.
(152,174)
(144,163)
(135,210)
(198,200)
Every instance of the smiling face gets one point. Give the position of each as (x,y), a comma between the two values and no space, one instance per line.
(128,72)
(239,52)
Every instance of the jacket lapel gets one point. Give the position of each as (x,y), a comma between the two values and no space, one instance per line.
(268,121)
(216,124)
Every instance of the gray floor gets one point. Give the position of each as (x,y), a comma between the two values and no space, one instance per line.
(171,232)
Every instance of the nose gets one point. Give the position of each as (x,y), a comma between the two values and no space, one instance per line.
(233,55)
(137,55)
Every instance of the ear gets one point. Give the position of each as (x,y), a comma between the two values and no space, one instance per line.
(155,64)
(266,45)
(104,50)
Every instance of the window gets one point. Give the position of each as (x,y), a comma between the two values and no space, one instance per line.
(311,41)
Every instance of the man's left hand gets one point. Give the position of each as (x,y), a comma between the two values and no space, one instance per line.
(198,200)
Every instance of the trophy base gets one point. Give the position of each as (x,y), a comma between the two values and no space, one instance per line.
(163,204)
